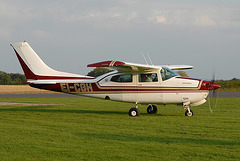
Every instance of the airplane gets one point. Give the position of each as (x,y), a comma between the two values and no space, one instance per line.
(128,82)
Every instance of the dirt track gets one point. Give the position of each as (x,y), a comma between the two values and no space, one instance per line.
(21,89)
(24,104)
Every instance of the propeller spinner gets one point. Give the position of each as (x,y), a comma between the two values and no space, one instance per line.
(211,86)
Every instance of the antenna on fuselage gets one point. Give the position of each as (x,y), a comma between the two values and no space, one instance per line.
(149,58)
(144,58)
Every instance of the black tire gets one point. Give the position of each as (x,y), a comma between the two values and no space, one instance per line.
(189,114)
(134,112)
(152,109)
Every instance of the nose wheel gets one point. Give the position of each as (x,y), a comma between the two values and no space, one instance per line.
(189,112)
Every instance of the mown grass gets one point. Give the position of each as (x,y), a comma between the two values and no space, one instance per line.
(93,129)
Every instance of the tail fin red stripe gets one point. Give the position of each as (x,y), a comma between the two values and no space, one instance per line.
(28,73)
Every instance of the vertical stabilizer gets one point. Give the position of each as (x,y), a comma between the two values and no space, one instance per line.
(34,68)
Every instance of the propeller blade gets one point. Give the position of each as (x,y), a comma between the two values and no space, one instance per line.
(213,98)
(213,95)
(210,101)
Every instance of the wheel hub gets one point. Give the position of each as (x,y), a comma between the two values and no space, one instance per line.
(134,113)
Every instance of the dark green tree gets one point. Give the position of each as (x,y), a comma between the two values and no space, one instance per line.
(98,71)
(5,78)
(182,73)
(12,78)
(18,78)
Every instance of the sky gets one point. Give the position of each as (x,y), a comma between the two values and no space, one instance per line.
(69,34)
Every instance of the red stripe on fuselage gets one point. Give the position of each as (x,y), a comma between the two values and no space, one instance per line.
(94,88)
(39,77)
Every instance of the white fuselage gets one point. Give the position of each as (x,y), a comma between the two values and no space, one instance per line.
(176,90)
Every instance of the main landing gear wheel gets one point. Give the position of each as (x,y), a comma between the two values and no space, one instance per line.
(134,112)
(152,109)
(189,113)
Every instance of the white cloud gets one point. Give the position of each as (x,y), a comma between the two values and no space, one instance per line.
(204,20)
(124,13)
(131,16)
(160,19)
(157,19)
(15,11)
(116,15)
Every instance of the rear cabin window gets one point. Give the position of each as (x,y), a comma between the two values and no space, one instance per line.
(125,78)
(149,77)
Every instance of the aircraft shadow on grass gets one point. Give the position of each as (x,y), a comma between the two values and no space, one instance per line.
(48,109)
(166,140)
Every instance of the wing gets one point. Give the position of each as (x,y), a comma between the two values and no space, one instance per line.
(126,67)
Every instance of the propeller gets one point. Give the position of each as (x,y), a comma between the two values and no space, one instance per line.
(213,95)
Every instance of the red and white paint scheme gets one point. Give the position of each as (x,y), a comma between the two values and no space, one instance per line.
(129,82)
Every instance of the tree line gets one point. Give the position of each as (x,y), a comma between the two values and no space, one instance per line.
(11,78)
(232,85)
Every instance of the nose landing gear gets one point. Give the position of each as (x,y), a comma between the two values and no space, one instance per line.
(189,112)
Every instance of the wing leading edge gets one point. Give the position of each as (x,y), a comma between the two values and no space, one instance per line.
(178,67)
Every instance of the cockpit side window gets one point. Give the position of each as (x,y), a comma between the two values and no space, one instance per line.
(167,73)
(125,78)
(149,77)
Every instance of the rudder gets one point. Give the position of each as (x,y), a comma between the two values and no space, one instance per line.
(34,68)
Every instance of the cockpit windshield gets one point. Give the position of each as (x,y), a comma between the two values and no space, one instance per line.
(167,73)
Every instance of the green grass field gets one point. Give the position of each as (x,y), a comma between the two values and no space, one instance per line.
(93,129)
